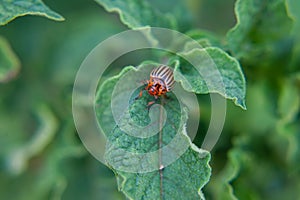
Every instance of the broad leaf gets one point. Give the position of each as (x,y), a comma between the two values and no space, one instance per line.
(257,35)
(10,9)
(9,63)
(211,59)
(136,13)
(182,179)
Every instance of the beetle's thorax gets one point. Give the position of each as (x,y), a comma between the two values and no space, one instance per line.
(156,87)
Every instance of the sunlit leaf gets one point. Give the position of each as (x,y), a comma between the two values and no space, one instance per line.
(210,58)
(10,9)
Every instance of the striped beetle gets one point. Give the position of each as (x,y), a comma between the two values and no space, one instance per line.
(161,81)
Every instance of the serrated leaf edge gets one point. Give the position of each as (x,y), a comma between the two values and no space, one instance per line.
(234,99)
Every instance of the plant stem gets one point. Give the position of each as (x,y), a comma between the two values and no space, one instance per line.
(160,167)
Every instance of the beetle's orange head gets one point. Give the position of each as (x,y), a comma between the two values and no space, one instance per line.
(152,90)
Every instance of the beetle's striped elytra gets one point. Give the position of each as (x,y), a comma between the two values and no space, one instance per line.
(161,81)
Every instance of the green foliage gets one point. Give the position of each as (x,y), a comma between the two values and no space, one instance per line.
(230,72)
(9,63)
(182,179)
(10,9)
(135,13)
(205,38)
(293,6)
(257,33)
(257,155)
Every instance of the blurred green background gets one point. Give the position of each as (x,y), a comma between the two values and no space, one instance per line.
(41,156)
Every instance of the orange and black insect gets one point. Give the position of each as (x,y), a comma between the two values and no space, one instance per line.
(161,81)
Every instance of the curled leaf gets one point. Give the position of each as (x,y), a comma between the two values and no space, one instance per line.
(11,9)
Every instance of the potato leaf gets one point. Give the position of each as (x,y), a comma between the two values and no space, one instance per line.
(11,9)
(182,179)
(229,68)
(135,13)
(256,33)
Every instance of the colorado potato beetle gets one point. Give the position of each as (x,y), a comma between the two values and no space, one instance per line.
(161,81)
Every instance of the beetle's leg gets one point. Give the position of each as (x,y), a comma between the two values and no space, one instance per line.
(141,92)
(140,95)
(152,102)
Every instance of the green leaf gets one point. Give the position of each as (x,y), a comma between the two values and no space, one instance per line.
(287,124)
(229,68)
(11,9)
(261,167)
(259,97)
(220,185)
(205,38)
(45,175)
(180,10)
(293,11)
(289,100)
(18,159)
(256,33)
(136,13)
(9,63)
(182,179)
(259,140)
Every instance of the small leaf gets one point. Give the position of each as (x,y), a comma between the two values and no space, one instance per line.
(182,179)
(136,13)
(9,63)
(228,67)
(11,9)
